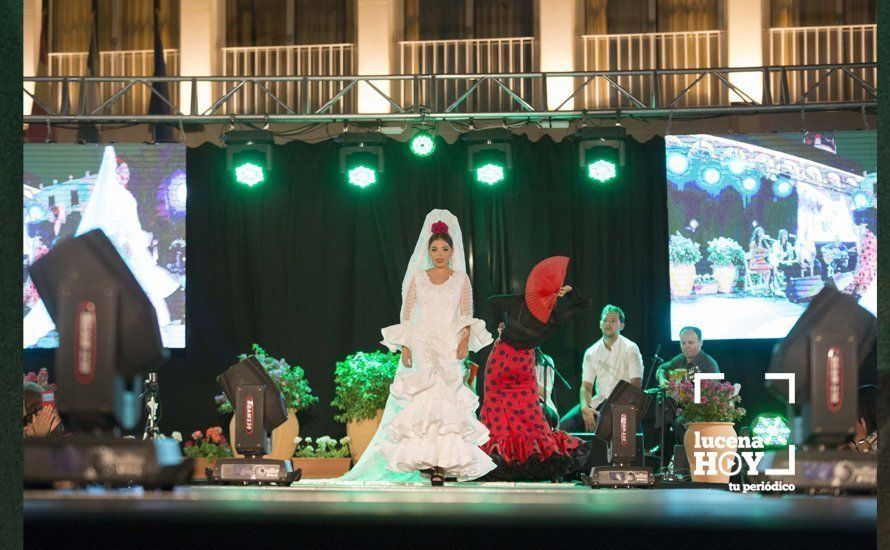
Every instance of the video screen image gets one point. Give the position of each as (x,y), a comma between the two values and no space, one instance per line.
(136,194)
(760,223)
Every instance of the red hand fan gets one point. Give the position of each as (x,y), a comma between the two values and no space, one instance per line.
(543,283)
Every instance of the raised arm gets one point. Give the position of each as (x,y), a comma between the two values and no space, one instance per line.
(577,304)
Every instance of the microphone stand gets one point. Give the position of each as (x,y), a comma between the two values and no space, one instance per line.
(661,402)
(152,404)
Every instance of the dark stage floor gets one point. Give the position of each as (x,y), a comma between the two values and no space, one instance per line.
(318,514)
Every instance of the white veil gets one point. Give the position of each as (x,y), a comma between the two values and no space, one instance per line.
(420,259)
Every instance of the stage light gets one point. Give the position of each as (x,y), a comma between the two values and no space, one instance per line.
(601,171)
(490,173)
(361,158)
(601,152)
(36,213)
(711,176)
(677,163)
(489,154)
(750,184)
(362,176)
(782,187)
(737,166)
(249,174)
(423,144)
(249,155)
(772,429)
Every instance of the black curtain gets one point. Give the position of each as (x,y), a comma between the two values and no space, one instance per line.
(311,268)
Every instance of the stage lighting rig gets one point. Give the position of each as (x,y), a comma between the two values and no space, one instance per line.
(249,155)
(361,157)
(601,152)
(490,154)
(423,144)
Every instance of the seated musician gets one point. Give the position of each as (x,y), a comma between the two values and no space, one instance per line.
(689,362)
(758,251)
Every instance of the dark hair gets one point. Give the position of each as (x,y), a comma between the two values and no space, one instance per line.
(696,330)
(32,394)
(437,236)
(868,407)
(612,309)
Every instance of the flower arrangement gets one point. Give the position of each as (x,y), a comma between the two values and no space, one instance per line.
(723,251)
(683,251)
(291,382)
(362,383)
(41,378)
(325,447)
(720,401)
(210,444)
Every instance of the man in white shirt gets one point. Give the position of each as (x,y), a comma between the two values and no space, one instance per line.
(612,358)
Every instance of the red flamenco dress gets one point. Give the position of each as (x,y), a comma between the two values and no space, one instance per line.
(521,443)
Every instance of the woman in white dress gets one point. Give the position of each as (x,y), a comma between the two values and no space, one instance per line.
(429,423)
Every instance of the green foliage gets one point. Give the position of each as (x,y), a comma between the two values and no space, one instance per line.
(718,402)
(325,447)
(362,383)
(291,382)
(683,251)
(725,252)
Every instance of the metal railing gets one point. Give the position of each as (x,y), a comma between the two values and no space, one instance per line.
(776,95)
(826,45)
(646,51)
(119,63)
(463,57)
(313,60)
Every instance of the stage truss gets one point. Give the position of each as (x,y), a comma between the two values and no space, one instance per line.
(427,105)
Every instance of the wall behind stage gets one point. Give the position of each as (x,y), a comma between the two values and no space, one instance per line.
(311,268)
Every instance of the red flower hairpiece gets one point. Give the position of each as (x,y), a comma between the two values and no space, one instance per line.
(440,227)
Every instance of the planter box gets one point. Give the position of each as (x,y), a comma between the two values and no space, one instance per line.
(707,288)
(199,472)
(314,468)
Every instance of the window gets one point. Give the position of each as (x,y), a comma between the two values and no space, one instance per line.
(123,24)
(75,198)
(466,19)
(646,16)
(820,13)
(289,22)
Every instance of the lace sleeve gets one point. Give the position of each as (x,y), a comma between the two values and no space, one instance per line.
(466,298)
(408,305)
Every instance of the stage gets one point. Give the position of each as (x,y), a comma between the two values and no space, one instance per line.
(333,515)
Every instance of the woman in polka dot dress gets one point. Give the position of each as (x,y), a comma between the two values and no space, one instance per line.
(521,442)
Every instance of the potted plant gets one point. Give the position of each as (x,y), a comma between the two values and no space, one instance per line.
(292,383)
(726,254)
(327,458)
(361,388)
(705,284)
(684,254)
(714,415)
(205,447)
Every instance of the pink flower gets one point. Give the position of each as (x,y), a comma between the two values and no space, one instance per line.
(197,434)
(439,227)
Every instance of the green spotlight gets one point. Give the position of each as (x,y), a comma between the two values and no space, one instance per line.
(490,173)
(249,174)
(601,171)
(423,144)
(362,176)
(772,429)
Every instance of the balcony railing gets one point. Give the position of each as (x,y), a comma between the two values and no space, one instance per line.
(461,57)
(132,63)
(825,45)
(645,51)
(314,60)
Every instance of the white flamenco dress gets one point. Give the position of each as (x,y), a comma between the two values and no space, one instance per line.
(430,419)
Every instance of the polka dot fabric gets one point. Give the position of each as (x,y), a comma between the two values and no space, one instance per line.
(511,411)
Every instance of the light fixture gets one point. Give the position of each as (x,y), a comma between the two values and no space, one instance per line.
(711,176)
(601,152)
(772,429)
(361,157)
(677,163)
(423,144)
(249,155)
(489,155)
(782,187)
